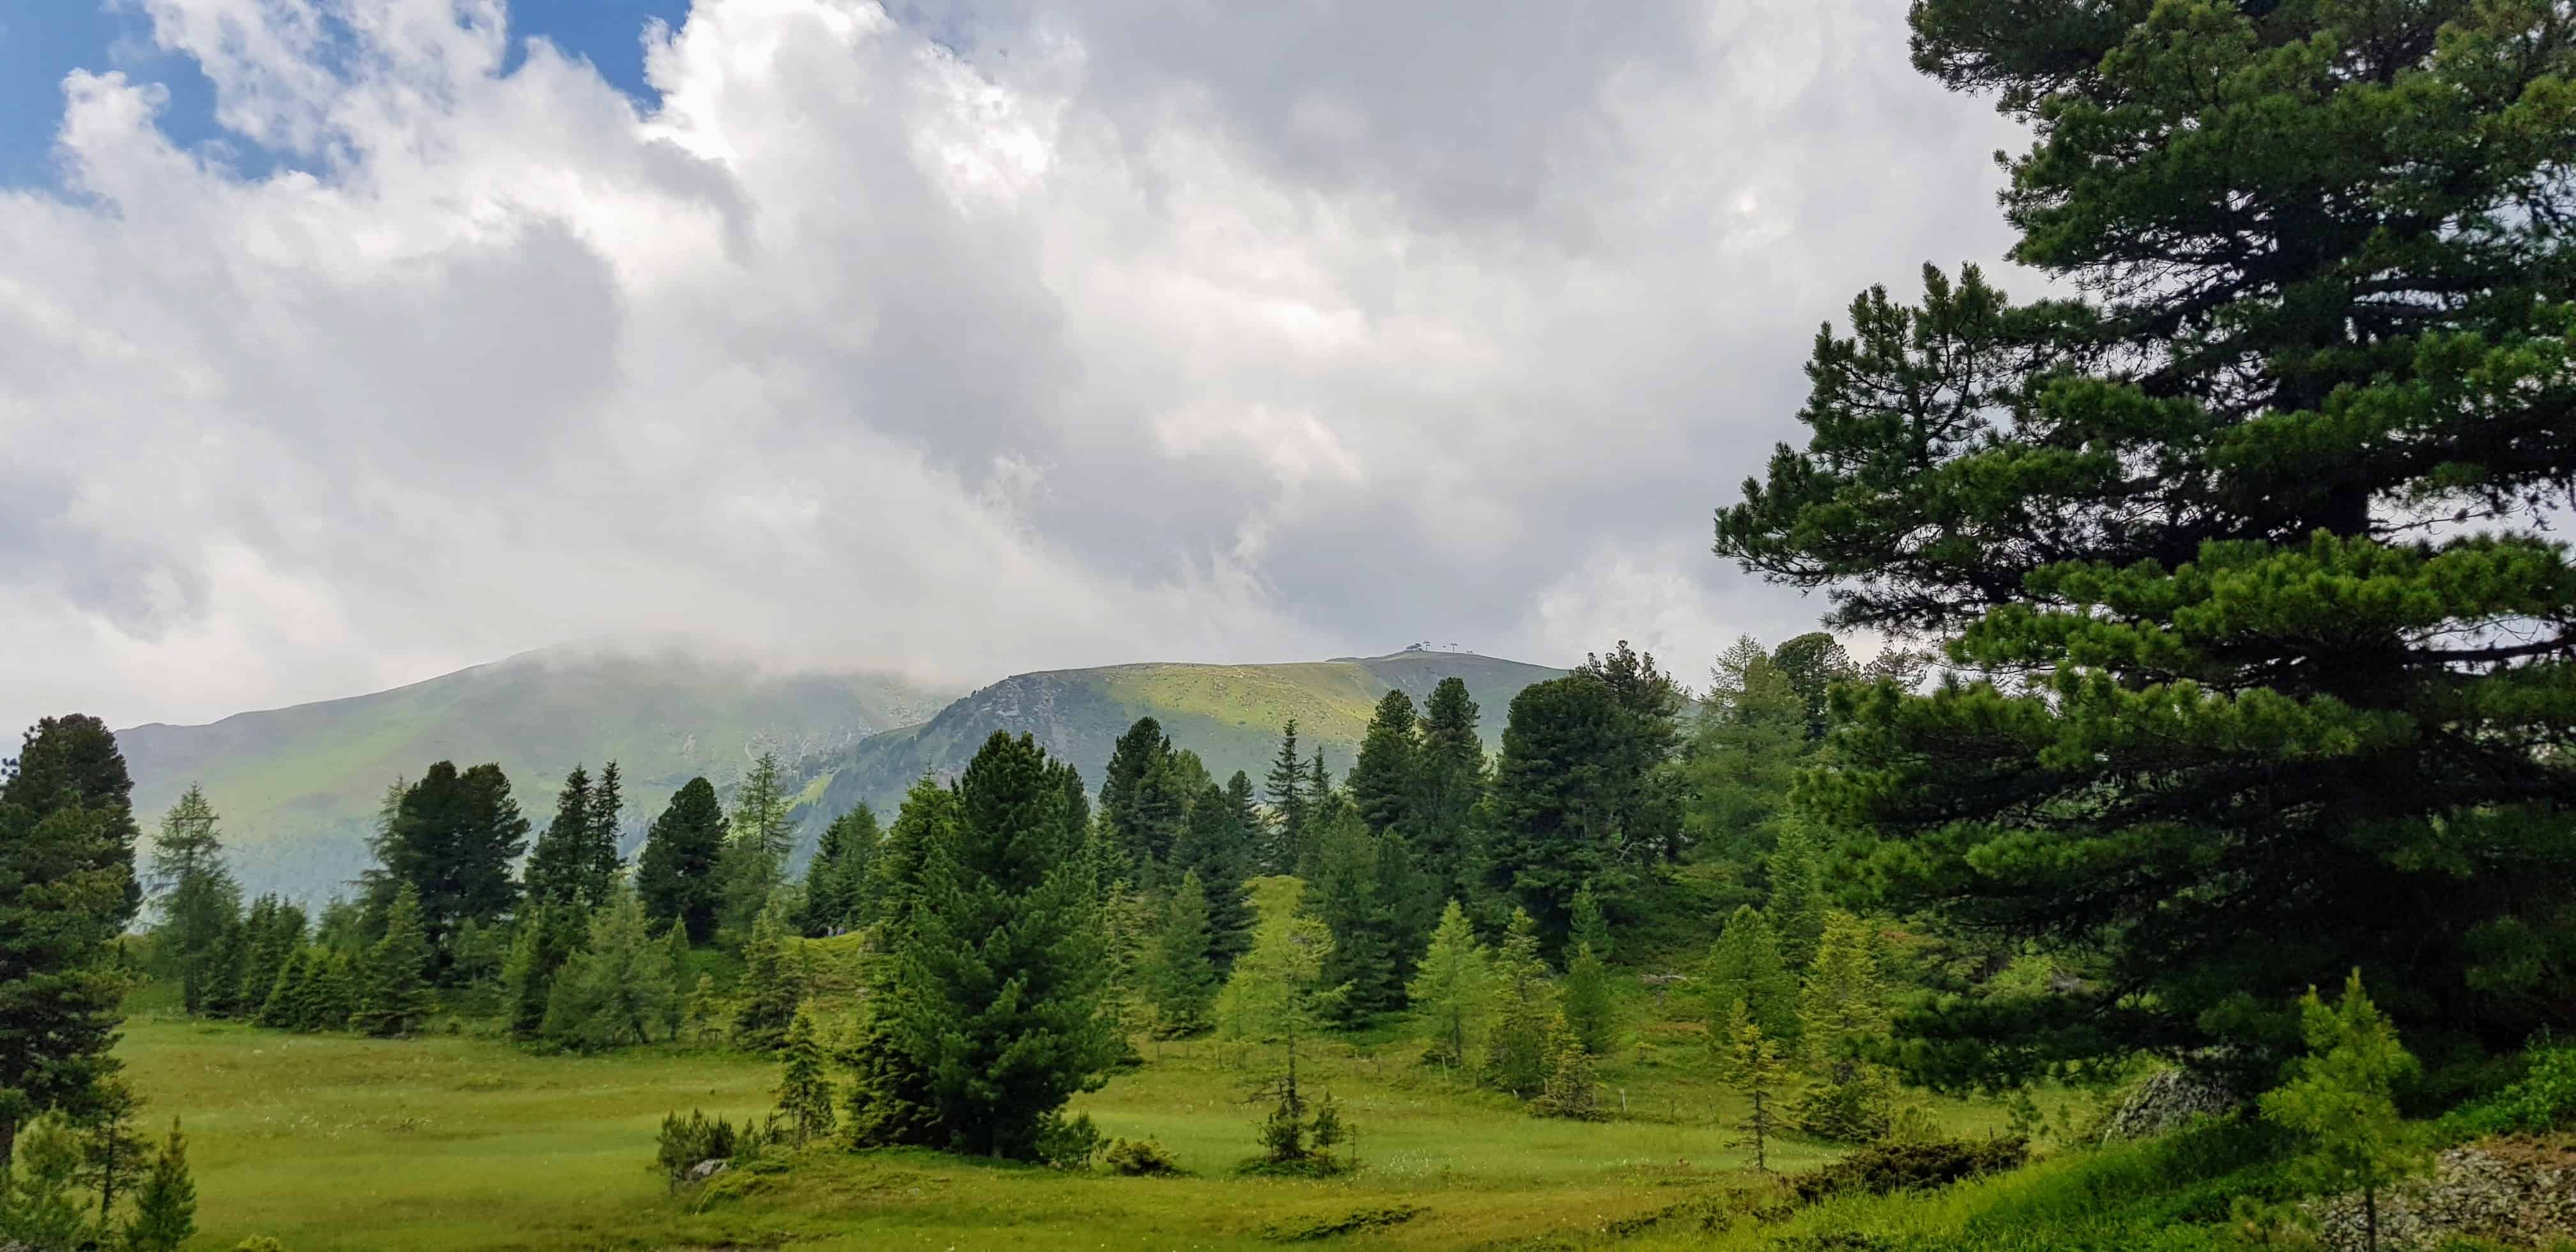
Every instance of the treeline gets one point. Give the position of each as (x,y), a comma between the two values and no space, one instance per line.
(74,1169)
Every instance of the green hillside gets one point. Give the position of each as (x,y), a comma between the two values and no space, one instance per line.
(1229,714)
(298,787)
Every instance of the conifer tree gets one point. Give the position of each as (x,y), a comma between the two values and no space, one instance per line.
(397,996)
(1180,981)
(42,1211)
(706,1017)
(559,866)
(1743,754)
(998,973)
(1550,816)
(1586,926)
(453,836)
(1452,990)
(199,901)
(1591,1019)
(1286,790)
(755,855)
(271,932)
(1516,1057)
(1321,796)
(1572,1089)
(1754,1068)
(283,1008)
(1385,781)
(2340,1100)
(1412,901)
(113,1154)
(599,861)
(66,892)
(837,884)
(1141,806)
(1797,906)
(2250,514)
(220,974)
(1346,898)
(1843,1005)
(1216,845)
(766,999)
(928,818)
(618,988)
(165,1207)
(677,955)
(333,995)
(1745,967)
(546,940)
(1450,782)
(1277,996)
(676,874)
(1631,784)
(804,1089)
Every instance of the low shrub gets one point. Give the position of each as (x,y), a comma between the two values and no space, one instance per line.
(1068,1142)
(1139,1158)
(2544,1100)
(1912,1166)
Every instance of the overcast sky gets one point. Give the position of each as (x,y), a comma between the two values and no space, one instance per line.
(347,342)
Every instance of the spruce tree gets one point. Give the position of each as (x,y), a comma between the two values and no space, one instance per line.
(2340,1099)
(599,861)
(1797,907)
(66,892)
(676,872)
(334,994)
(1745,967)
(397,998)
(619,988)
(804,1089)
(1346,897)
(559,867)
(1141,805)
(929,817)
(284,1007)
(1452,991)
(1812,663)
(1385,781)
(838,881)
(1549,816)
(1180,981)
(1633,786)
(706,1017)
(1450,783)
(199,901)
(1286,790)
(546,940)
(999,976)
(766,998)
(1586,925)
(1742,755)
(1572,1088)
(1516,1055)
(755,854)
(1216,845)
(165,1207)
(114,1156)
(2247,518)
(1591,1019)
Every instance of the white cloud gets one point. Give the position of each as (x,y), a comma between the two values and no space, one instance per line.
(1088,333)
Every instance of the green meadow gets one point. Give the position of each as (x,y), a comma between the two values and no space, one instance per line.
(333,1141)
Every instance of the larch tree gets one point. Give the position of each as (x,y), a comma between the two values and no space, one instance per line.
(1745,967)
(2237,542)
(755,855)
(1452,991)
(676,872)
(619,988)
(1516,1052)
(200,903)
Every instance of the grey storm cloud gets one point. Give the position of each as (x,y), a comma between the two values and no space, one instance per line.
(964,339)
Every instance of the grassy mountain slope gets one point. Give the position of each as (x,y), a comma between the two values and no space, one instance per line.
(1229,714)
(298,787)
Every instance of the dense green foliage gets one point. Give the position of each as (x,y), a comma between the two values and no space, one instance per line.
(676,871)
(451,837)
(2267,661)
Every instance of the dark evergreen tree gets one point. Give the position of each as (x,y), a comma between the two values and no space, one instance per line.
(290,998)
(559,867)
(1216,845)
(73,762)
(396,997)
(1286,789)
(452,836)
(2267,720)
(66,893)
(200,903)
(545,941)
(1450,782)
(1813,663)
(1385,782)
(1412,900)
(273,932)
(839,879)
(804,1089)
(1142,804)
(766,999)
(600,862)
(1179,980)
(1551,818)
(1637,789)
(1743,754)
(1346,897)
(999,971)
(114,1154)
(928,818)
(676,873)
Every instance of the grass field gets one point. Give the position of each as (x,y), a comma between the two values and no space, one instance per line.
(330,1142)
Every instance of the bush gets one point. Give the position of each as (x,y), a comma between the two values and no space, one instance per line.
(687,1141)
(1139,1158)
(1890,1167)
(2544,1100)
(1068,1142)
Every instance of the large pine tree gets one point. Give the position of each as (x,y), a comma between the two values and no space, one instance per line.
(559,865)
(66,892)
(1551,816)
(2247,526)
(1450,781)
(1142,806)
(1217,844)
(996,993)
(676,873)
(452,837)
